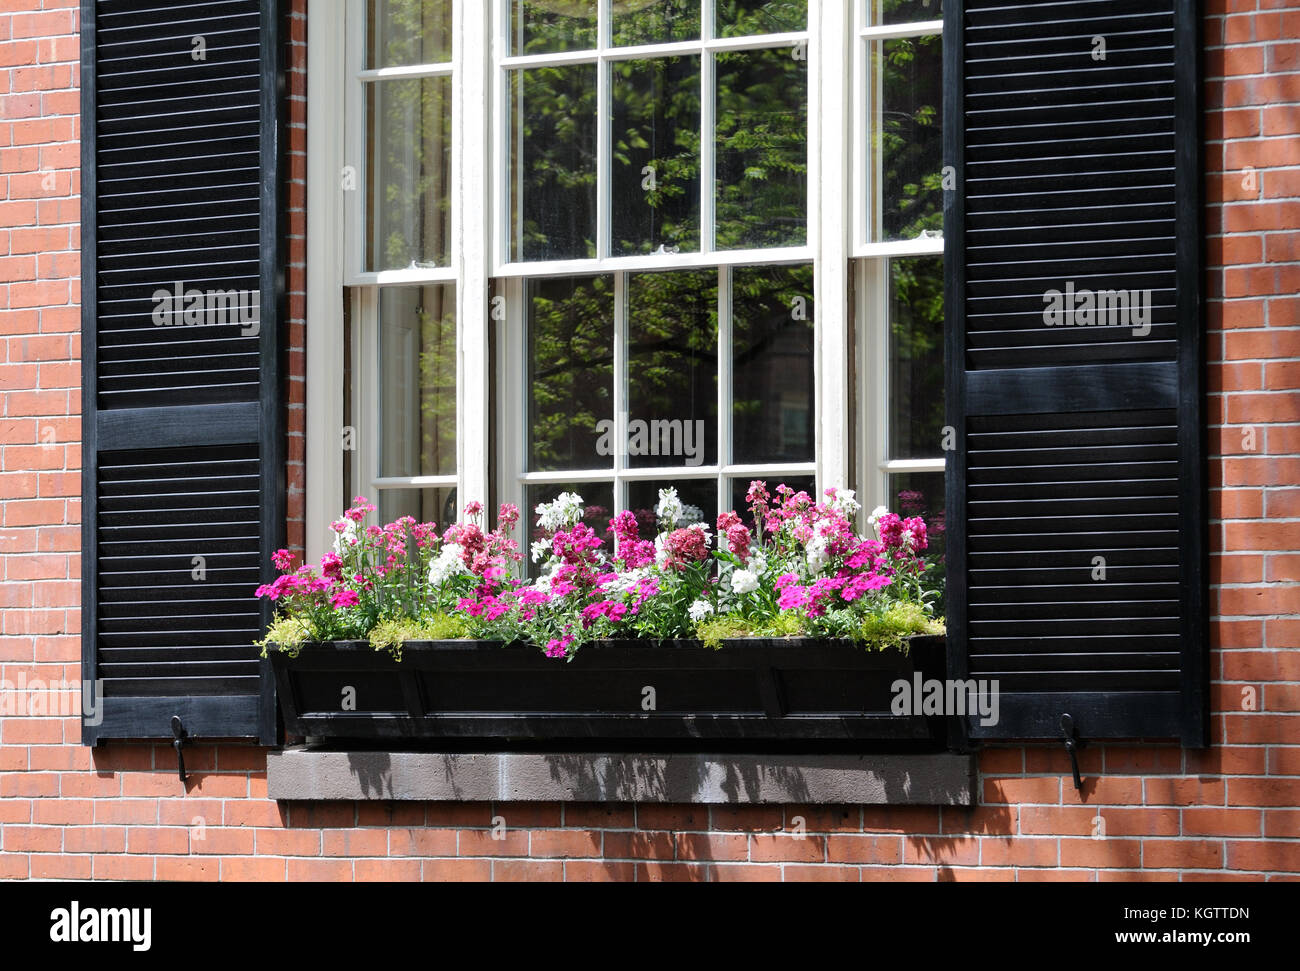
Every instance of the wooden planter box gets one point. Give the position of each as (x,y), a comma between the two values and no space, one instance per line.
(749,691)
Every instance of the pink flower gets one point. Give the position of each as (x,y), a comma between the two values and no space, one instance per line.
(344,599)
(686,546)
(282,559)
(560,647)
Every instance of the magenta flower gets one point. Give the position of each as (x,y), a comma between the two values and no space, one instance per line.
(344,599)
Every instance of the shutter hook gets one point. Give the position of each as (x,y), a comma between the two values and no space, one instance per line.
(178,729)
(1072,745)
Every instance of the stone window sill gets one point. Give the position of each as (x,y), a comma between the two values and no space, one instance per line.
(308,773)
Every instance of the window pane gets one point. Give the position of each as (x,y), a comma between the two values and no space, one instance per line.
(739,18)
(699,503)
(417,381)
(597,513)
(907,137)
(545,26)
(672,369)
(655,21)
(762,143)
(916,378)
(553,163)
(403,32)
(656,169)
(423,505)
(740,489)
(772,364)
(922,494)
(885,12)
(571,374)
(408,188)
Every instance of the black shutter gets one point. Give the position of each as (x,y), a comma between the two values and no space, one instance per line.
(182,423)
(1079,441)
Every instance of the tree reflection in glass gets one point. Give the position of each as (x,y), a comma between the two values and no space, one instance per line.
(408,173)
(673,367)
(773,414)
(571,372)
(907,137)
(916,353)
(656,156)
(553,174)
(762,149)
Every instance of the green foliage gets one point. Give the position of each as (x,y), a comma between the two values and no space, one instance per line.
(391,635)
(286,634)
(892,626)
(712,631)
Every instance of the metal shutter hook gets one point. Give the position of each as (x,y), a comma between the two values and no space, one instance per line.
(1072,745)
(178,729)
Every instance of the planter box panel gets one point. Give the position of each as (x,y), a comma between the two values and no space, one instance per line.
(754,690)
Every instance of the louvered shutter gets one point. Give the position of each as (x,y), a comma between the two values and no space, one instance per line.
(183,493)
(1076,494)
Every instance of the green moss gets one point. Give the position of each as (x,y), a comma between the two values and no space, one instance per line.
(288,634)
(390,635)
(714,630)
(892,628)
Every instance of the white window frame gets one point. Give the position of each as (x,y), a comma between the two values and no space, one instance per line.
(837,38)
(871,273)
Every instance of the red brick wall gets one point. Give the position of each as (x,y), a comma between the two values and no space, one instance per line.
(1160,813)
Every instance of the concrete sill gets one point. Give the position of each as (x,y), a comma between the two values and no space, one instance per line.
(305,773)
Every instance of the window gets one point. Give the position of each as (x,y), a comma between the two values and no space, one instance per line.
(898,232)
(611,246)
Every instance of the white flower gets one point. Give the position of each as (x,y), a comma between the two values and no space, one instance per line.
(345,531)
(543,583)
(908,538)
(743,582)
(758,564)
(540,549)
(818,556)
(661,552)
(564,513)
(699,610)
(669,509)
(845,503)
(877,514)
(626,582)
(448,563)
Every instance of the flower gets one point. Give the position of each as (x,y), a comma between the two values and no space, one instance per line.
(559,647)
(344,599)
(540,549)
(345,534)
(449,562)
(817,553)
(877,514)
(844,502)
(564,512)
(669,509)
(699,610)
(743,582)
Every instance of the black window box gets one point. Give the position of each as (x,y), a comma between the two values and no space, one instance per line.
(789,690)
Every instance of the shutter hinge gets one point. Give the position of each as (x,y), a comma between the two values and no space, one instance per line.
(1072,745)
(178,729)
